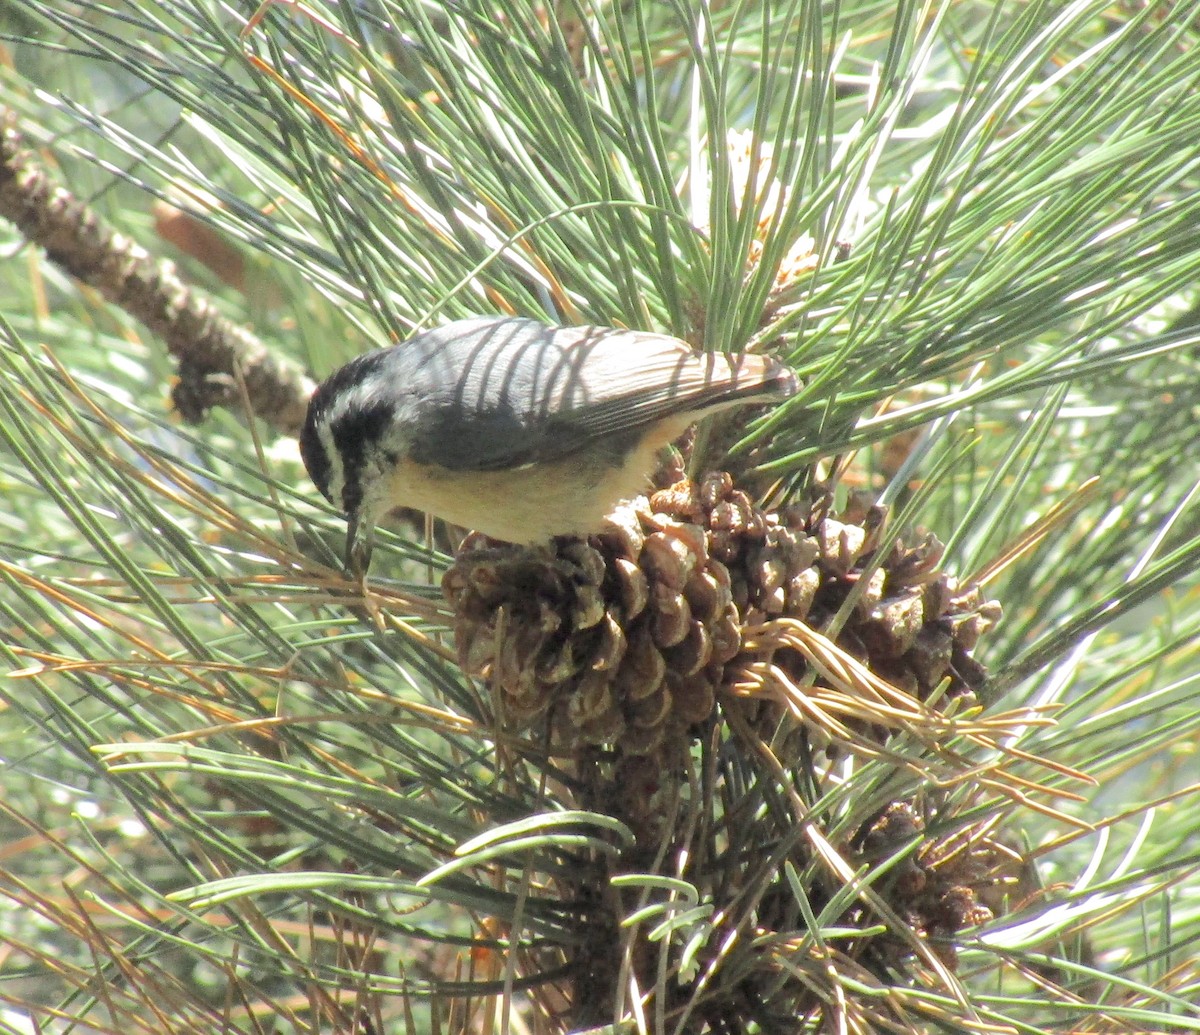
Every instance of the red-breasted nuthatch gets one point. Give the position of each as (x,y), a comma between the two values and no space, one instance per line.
(508,426)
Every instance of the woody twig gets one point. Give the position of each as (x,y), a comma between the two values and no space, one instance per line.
(207,346)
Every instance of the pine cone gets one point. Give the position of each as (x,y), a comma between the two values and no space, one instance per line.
(910,623)
(623,638)
(937,889)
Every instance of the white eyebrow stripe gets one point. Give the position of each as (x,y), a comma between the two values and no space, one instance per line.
(337,472)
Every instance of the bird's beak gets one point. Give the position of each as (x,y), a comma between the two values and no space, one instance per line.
(358,546)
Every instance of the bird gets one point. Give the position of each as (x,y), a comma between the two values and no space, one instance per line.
(512,427)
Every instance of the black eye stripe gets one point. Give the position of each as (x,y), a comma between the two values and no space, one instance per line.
(356,437)
(343,428)
(352,484)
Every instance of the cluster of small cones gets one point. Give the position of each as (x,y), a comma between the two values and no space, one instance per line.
(625,639)
(949,883)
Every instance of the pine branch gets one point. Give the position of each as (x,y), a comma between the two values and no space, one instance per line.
(211,350)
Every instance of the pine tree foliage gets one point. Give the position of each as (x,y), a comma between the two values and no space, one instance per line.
(238,797)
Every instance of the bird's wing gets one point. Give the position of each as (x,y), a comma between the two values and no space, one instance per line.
(516,392)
